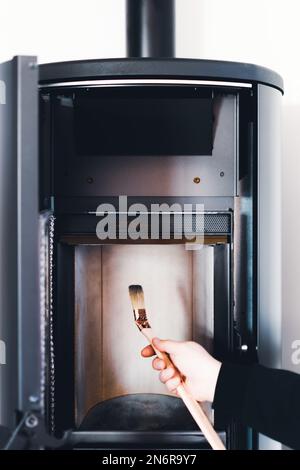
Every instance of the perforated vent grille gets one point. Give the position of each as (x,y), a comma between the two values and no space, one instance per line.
(156,226)
(213,224)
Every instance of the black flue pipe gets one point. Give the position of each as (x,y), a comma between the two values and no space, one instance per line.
(150,28)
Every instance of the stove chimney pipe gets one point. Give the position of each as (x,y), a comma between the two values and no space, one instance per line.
(150,28)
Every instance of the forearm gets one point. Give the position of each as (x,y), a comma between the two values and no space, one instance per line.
(265,399)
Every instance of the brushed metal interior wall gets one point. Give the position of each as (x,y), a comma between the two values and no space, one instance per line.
(154,176)
(178,287)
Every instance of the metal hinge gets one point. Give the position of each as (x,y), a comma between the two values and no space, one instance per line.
(31,434)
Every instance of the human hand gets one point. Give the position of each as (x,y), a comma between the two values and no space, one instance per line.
(193,365)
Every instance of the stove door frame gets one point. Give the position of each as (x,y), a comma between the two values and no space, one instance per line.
(20,370)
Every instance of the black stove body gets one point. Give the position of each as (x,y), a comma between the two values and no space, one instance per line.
(203,136)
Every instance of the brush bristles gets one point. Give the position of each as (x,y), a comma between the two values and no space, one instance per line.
(137,297)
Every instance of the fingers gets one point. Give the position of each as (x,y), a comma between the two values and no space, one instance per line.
(168,346)
(173,384)
(158,364)
(170,378)
(166,374)
(163,345)
(148,351)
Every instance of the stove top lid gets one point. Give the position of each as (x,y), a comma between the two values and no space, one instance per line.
(158,68)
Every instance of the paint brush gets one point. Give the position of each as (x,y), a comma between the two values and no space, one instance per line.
(140,316)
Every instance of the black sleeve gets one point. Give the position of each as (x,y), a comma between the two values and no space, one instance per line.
(267,400)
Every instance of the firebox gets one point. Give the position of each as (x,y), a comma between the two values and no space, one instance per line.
(149,170)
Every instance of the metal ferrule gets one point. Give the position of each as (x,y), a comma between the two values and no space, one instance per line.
(140,316)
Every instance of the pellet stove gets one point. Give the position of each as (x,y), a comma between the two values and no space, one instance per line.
(180,140)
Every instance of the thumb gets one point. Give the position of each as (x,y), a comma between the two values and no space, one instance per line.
(167,345)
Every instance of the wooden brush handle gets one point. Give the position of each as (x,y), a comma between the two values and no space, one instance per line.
(192,405)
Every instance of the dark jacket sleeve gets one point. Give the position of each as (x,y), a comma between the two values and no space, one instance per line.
(266,400)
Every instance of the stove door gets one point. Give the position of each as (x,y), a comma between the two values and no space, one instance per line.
(20,362)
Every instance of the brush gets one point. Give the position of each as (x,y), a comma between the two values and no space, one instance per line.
(140,316)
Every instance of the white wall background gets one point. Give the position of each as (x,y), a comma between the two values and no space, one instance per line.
(265,32)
